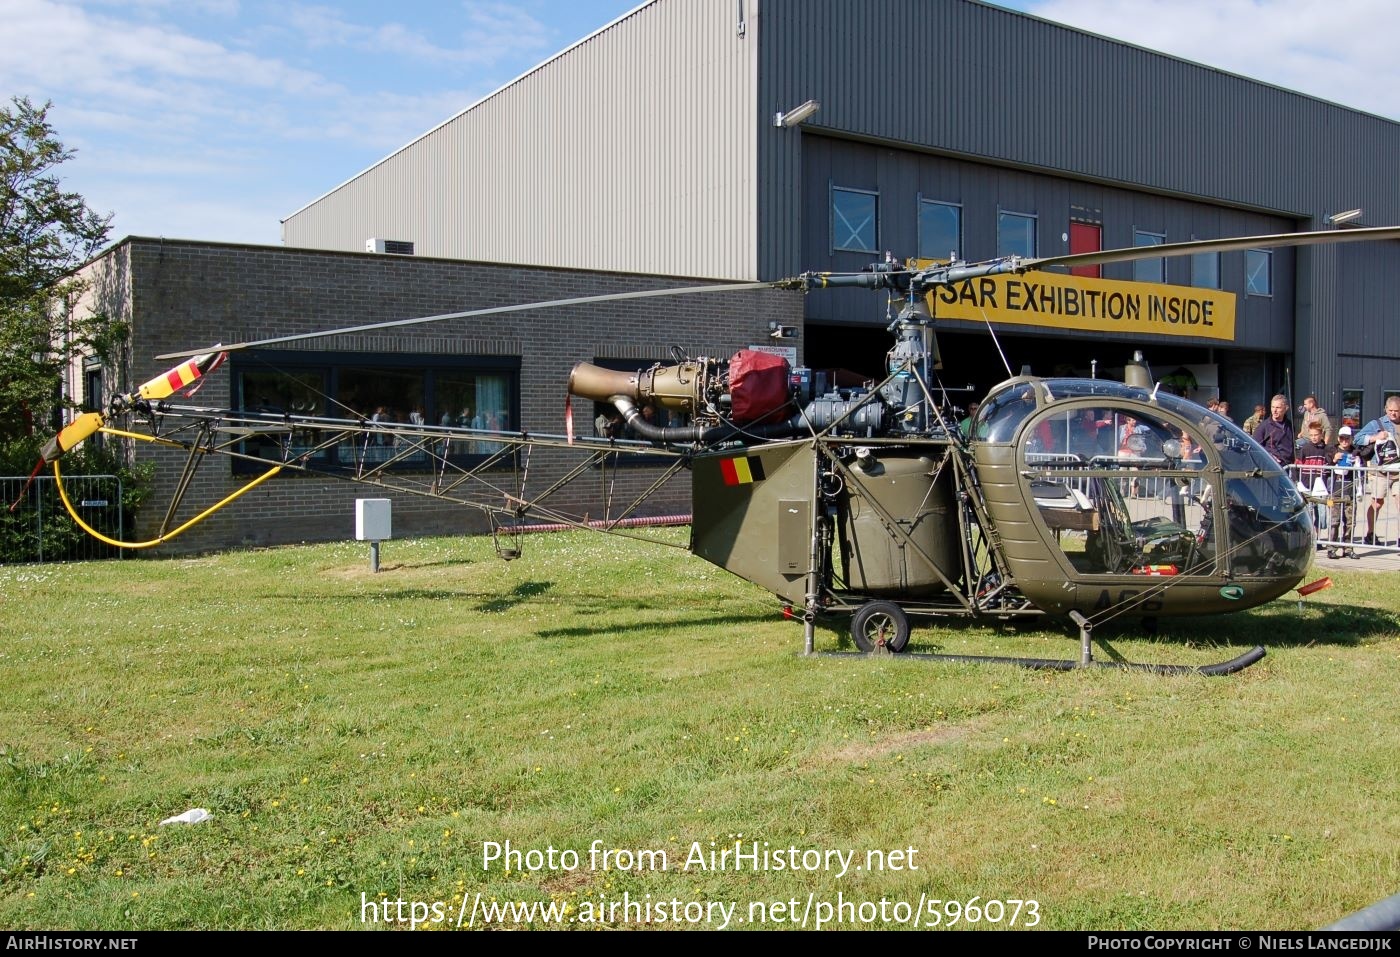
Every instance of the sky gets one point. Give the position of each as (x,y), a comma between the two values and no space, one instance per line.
(216,119)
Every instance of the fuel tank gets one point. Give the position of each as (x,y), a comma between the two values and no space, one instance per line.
(892,493)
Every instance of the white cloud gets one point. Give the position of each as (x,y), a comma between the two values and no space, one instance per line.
(217,8)
(503,25)
(72,48)
(1346,51)
(324,26)
(490,33)
(174,214)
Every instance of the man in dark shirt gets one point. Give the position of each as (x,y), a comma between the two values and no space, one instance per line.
(1275,434)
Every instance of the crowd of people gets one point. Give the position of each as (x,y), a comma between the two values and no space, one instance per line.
(1336,465)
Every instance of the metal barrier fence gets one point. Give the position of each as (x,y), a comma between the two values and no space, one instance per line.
(41,530)
(1352,507)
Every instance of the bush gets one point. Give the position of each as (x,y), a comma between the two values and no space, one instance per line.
(52,535)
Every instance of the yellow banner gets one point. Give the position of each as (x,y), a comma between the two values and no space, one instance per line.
(1056,301)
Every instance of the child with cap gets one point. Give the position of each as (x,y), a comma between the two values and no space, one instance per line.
(1346,460)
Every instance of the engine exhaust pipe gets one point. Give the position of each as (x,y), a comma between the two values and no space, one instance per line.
(680,388)
(588,381)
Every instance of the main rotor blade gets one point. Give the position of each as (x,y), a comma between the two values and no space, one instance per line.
(471,314)
(1134,253)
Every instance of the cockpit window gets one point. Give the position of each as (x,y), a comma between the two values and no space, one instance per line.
(1120,489)
(1076,388)
(1270,533)
(1237,452)
(1112,437)
(1002,413)
(1127,483)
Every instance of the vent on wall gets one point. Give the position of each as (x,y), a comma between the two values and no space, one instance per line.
(394,247)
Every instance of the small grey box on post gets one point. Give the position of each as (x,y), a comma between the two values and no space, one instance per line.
(373,524)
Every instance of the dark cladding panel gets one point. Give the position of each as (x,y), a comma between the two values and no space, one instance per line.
(965,78)
(902,177)
(1366,274)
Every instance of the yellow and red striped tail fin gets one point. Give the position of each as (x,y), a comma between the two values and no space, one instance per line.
(185,374)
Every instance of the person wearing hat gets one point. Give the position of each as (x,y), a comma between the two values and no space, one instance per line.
(1346,460)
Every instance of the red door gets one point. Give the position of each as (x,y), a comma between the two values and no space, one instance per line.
(1085,238)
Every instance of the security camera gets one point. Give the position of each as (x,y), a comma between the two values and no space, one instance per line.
(776,331)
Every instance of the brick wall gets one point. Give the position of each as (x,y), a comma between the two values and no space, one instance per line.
(183,295)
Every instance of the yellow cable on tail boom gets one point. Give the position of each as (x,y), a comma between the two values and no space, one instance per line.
(63,494)
(162,386)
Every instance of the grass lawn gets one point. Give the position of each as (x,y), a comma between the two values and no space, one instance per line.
(367,738)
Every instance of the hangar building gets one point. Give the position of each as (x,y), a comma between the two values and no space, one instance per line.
(694,140)
(654,146)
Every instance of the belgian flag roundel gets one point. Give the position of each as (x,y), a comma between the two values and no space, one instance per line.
(742,471)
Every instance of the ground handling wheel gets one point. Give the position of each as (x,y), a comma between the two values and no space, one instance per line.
(880,625)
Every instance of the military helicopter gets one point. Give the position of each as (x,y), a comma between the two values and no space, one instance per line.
(1083,499)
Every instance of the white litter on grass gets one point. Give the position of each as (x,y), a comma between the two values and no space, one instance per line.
(193,816)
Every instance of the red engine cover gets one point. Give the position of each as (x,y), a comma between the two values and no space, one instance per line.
(758,387)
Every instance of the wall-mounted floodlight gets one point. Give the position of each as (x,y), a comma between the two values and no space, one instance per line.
(1336,219)
(796,115)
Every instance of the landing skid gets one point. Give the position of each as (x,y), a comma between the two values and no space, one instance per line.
(1053,664)
(1057,665)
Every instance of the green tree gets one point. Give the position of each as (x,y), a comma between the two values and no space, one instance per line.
(45,234)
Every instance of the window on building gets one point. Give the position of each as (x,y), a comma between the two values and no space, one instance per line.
(1085,238)
(1259,272)
(1149,270)
(940,229)
(480,393)
(94,395)
(1352,406)
(854,226)
(1016,234)
(1205,270)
